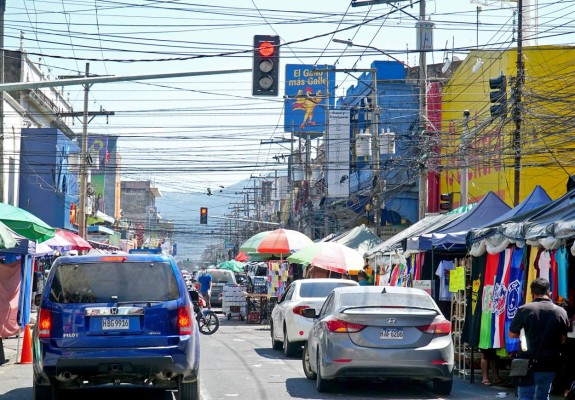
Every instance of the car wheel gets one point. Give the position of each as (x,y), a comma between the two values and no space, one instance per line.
(442,388)
(189,390)
(290,349)
(276,344)
(309,374)
(43,392)
(322,385)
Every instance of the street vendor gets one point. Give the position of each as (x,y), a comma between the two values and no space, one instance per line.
(368,271)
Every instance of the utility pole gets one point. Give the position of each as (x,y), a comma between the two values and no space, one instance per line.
(83,177)
(465,140)
(517,105)
(422,111)
(83,167)
(2,79)
(376,186)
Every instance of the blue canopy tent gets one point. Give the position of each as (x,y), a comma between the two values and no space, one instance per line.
(452,236)
(530,206)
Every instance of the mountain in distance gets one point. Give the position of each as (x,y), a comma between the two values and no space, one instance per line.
(183,209)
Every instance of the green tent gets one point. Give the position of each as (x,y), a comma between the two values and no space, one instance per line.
(232,265)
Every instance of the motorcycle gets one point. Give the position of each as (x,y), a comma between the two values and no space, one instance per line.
(208,321)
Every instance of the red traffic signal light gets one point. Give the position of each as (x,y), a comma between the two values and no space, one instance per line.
(266,49)
(203,215)
(265,71)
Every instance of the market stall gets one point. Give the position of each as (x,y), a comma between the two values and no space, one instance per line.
(277,245)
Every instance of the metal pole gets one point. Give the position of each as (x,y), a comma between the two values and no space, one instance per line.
(375,153)
(464,189)
(517,106)
(306,214)
(422,114)
(2,78)
(83,181)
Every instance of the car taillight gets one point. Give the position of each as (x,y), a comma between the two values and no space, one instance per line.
(184,320)
(339,326)
(44,323)
(440,328)
(298,309)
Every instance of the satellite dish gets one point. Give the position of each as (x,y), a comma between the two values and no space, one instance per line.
(446,65)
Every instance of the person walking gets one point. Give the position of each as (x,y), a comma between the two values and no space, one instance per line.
(205,280)
(545,326)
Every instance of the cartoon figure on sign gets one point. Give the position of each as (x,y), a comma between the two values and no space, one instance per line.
(307,103)
(73,214)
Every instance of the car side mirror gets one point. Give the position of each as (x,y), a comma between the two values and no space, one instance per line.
(38,299)
(309,312)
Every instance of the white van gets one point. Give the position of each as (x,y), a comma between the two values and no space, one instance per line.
(220,278)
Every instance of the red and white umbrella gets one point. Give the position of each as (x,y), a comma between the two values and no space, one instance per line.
(280,241)
(331,256)
(77,242)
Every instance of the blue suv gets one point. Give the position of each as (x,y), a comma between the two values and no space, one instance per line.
(115,319)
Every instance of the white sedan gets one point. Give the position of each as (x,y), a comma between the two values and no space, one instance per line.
(289,328)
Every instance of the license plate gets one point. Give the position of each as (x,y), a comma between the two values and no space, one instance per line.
(391,334)
(115,323)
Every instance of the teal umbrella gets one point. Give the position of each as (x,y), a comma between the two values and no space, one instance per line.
(232,265)
(24,223)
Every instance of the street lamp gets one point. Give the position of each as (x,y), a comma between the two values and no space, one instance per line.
(351,44)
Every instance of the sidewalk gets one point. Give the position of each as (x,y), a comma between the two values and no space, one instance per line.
(10,349)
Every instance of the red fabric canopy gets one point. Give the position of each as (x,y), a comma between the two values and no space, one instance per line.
(76,241)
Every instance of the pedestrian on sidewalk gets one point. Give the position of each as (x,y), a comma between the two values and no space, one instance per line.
(545,326)
(490,360)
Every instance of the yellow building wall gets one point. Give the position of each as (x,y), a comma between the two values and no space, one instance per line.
(547,130)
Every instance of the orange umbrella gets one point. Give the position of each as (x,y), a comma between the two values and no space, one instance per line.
(76,241)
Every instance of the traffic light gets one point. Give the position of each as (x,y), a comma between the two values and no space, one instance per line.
(265,74)
(203,215)
(446,203)
(498,96)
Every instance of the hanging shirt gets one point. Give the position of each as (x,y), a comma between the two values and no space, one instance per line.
(532,271)
(442,272)
(544,265)
(562,271)
(485,334)
(553,277)
(514,298)
(500,298)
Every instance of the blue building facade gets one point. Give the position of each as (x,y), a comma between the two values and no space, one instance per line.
(49,167)
(397,110)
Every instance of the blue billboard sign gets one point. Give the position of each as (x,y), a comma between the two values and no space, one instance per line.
(309,92)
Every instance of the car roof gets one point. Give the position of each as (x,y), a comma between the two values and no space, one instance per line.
(379,289)
(321,280)
(113,257)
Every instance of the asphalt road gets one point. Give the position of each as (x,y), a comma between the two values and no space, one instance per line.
(237,362)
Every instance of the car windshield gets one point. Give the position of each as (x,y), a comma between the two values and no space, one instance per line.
(222,276)
(319,289)
(379,299)
(105,282)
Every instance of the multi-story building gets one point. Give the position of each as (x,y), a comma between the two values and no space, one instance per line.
(533,137)
(23,109)
(139,211)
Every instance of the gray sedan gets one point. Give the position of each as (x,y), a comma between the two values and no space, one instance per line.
(379,332)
